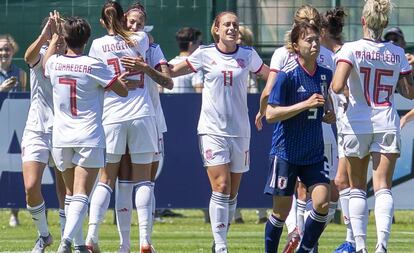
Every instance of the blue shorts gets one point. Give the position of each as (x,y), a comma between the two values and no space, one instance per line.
(282,176)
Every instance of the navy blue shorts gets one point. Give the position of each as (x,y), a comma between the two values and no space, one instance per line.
(282,176)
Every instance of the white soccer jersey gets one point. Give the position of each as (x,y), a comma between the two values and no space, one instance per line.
(339,102)
(224,106)
(110,49)
(154,58)
(78,92)
(326,58)
(40,117)
(280,58)
(185,83)
(376,67)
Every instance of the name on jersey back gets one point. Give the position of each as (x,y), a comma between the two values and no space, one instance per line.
(118,46)
(73,67)
(378,56)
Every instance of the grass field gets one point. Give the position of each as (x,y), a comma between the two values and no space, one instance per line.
(190,235)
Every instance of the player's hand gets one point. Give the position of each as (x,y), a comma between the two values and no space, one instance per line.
(258,121)
(8,84)
(329,117)
(316,100)
(134,63)
(410,59)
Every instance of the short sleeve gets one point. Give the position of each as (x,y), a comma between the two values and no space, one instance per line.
(49,65)
(345,55)
(92,52)
(405,66)
(195,60)
(102,74)
(256,62)
(278,59)
(278,94)
(197,78)
(157,57)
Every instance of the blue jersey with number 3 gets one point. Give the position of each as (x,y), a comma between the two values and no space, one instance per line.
(299,139)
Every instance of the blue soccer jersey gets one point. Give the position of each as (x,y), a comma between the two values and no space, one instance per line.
(299,140)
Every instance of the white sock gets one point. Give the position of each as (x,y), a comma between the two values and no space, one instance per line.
(99,204)
(233,208)
(74,218)
(39,218)
(384,211)
(358,214)
(344,200)
(331,211)
(123,207)
(62,220)
(300,214)
(152,220)
(219,217)
(291,220)
(144,210)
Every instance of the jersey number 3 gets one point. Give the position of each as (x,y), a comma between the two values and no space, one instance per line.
(72,84)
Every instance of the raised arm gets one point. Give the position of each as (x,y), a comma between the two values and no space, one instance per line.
(31,56)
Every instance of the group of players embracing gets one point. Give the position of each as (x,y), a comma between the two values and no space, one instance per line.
(101,113)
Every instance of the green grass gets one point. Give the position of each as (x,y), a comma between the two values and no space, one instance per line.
(190,235)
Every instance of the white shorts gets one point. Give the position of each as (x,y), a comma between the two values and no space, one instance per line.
(139,134)
(37,147)
(341,153)
(218,150)
(85,157)
(360,145)
(331,160)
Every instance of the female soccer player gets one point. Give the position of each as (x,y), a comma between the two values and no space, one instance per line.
(371,70)
(37,138)
(223,127)
(331,38)
(128,122)
(156,72)
(78,137)
(296,101)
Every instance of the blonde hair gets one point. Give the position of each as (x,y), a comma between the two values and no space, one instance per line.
(376,14)
(246,36)
(306,13)
(216,23)
(11,41)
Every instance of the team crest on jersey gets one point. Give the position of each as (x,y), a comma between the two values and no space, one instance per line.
(213,62)
(241,63)
(209,154)
(282,182)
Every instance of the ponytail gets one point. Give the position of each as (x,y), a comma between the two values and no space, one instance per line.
(113,17)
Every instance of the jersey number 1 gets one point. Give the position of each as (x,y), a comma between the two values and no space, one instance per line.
(117,69)
(72,84)
(228,77)
(378,87)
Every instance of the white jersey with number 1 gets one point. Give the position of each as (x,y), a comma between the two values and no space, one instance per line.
(110,49)
(78,91)
(224,106)
(376,67)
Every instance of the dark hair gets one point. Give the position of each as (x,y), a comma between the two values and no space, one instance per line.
(333,22)
(300,28)
(137,6)
(76,32)
(186,35)
(113,16)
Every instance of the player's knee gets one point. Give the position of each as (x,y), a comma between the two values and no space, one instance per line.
(221,187)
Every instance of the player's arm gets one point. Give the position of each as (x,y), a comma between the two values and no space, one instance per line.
(407,118)
(276,113)
(23,79)
(138,64)
(405,85)
(52,49)
(263,99)
(31,56)
(342,72)
(182,68)
(119,86)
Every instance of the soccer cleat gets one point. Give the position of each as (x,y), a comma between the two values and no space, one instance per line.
(92,246)
(147,248)
(363,251)
(380,249)
(64,247)
(81,249)
(293,240)
(13,221)
(42,243)
(345,247)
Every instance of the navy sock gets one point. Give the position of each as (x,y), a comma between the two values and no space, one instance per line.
(314,226)
(273,230)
